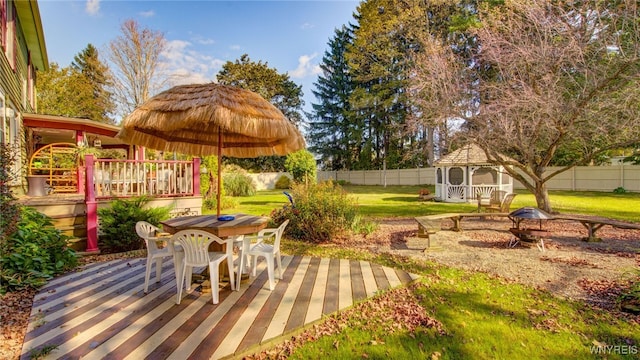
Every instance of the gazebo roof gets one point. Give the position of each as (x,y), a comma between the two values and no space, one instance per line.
(470,154)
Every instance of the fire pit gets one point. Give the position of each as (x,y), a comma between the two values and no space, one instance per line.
(527,234)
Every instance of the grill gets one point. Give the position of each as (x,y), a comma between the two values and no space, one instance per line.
(529,213)
(528,235)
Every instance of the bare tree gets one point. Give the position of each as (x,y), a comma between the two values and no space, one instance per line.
(552,75)
(135,56)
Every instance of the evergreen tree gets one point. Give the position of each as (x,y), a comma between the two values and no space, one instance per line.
(380,59)
(330,129)
(88,64)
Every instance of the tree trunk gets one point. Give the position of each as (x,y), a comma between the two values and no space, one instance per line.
(542,196)
(430,146)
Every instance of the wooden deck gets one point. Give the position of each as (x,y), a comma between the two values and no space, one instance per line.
(101,312)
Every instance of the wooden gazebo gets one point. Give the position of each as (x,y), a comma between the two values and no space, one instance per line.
(463,174)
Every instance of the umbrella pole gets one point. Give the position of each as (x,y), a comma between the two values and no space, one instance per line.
(219,168)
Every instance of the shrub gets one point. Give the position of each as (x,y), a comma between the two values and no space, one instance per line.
(209,204)
(35,252)
(619,190)
(629,299)
(226,203)
(9,210)
(302,166)
(321,213)
(208,181)
(283,183)
(362,226)
(238,183)
(119,221)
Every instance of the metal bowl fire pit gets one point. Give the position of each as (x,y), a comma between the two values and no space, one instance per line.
(525,234)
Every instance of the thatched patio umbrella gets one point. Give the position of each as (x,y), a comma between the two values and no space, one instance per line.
(208,119)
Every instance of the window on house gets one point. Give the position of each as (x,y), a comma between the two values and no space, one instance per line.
(10,48)
(3,23)
(11,136)
(31,74)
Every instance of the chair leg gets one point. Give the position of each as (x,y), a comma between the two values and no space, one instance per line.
(231,277)
(158,269)
(270,270)
(147,275)
(241,269)
(254,265)
(177,268)
(279,262)
(188,275)
(213,272)
(181,284)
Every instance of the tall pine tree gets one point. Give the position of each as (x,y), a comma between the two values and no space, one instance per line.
(97,74)
(330,132)
(380,59)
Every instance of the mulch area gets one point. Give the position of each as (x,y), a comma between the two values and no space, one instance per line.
(593,272)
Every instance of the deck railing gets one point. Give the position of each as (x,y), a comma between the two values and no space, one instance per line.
(159,178)
(108,178)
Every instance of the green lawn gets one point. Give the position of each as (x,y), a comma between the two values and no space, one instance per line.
(402,201)
(483,317)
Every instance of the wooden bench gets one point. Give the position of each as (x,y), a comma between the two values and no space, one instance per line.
(431,224)
(594,224)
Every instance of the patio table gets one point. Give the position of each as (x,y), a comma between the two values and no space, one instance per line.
(242,224)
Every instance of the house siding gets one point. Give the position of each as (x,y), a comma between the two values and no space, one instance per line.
(14,82)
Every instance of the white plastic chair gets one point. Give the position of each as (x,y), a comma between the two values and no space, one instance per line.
(148,233)
(269,252)
(195,244)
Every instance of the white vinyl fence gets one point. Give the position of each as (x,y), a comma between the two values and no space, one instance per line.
(580,178)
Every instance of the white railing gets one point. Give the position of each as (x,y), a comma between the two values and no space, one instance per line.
(484,191)
(456,193)
(123,178)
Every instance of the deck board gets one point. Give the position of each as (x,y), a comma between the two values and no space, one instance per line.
(102,312)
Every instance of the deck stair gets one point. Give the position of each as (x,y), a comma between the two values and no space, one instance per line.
(68,214)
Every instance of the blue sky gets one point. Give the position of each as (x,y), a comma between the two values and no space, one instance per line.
(290,36)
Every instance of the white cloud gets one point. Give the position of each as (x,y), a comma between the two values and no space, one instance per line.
(187,66)
(305,67)
(147,14)
(307,26)
(235,47)
(92,7)
(204,41)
